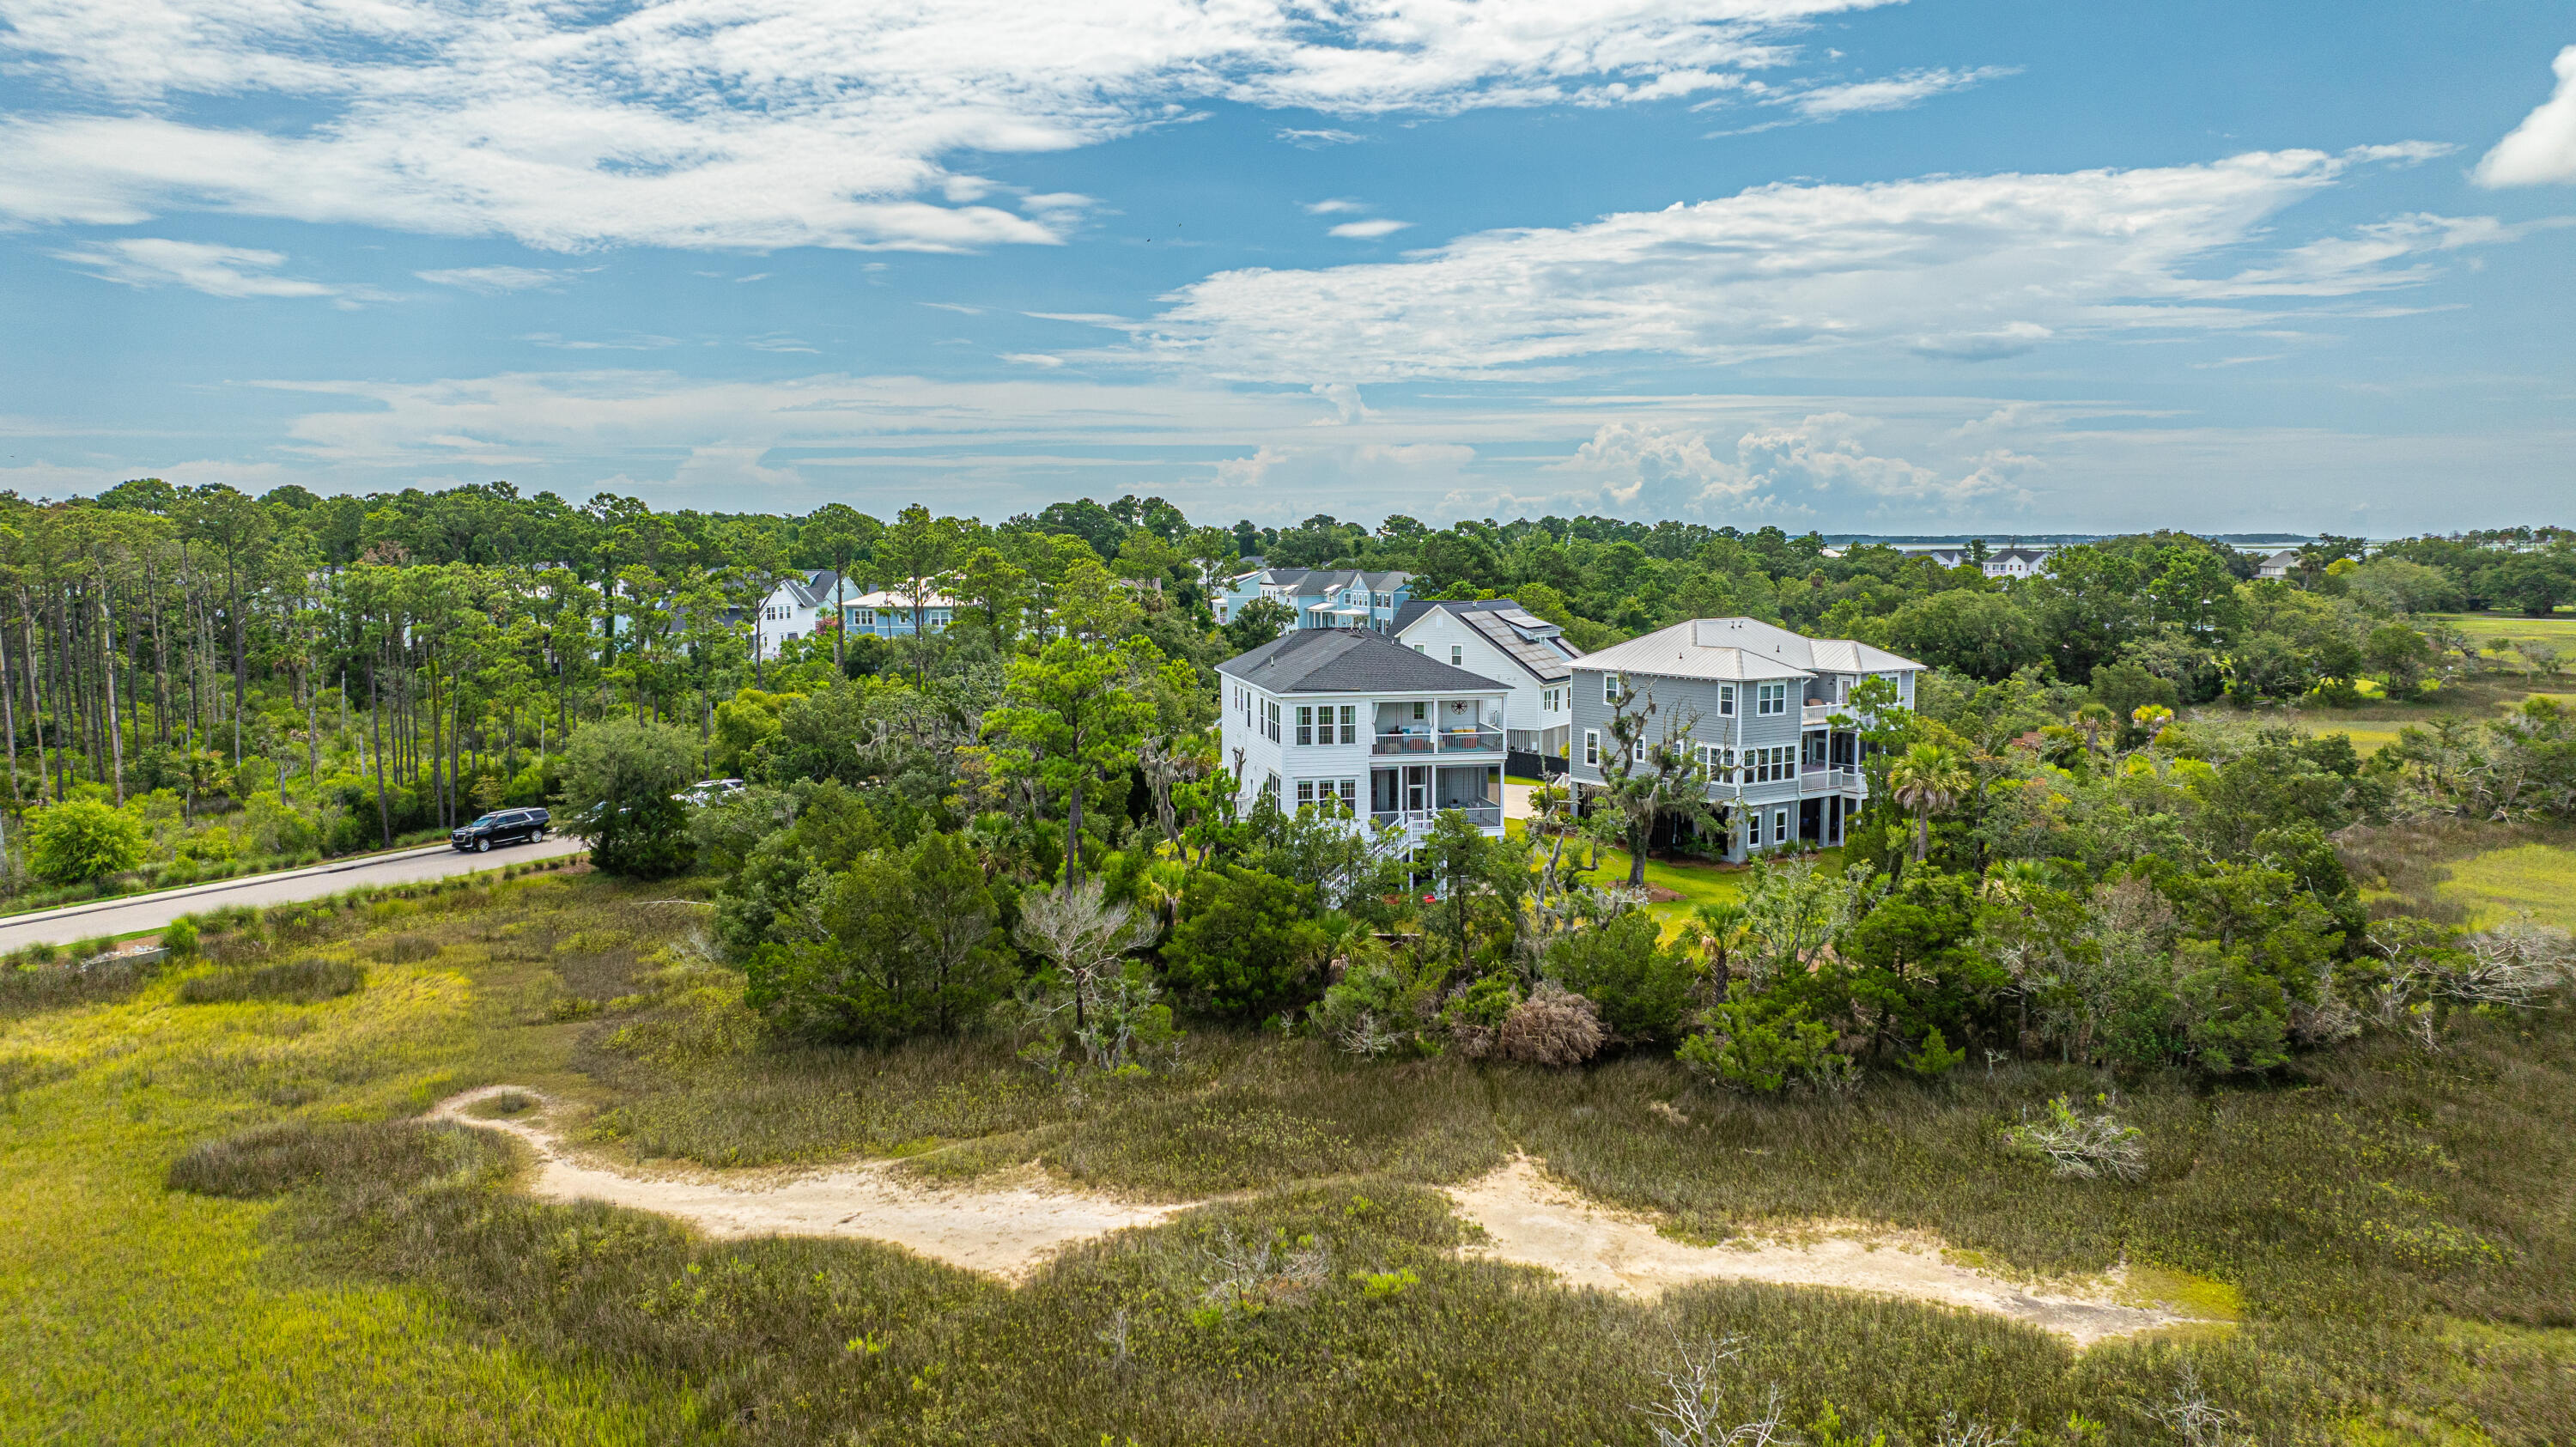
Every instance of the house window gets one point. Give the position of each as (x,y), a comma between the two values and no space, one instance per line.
(1771,698)
(1421,711)
(1350,792)
(1753,830)
(1305,727)
(1457,654)
(1726,700)
(1270,788)
(1350,723)
(1270,721)
(1610,689)
(1592,747)
(1779,826)
(1418,648)
(1305,795)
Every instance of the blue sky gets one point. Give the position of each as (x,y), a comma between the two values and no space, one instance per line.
(1859,266)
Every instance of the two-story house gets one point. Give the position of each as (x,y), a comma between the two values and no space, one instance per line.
(890,613)
(1351,721)
(801,605)
(1321,597)
(1501,640)
(1764,710)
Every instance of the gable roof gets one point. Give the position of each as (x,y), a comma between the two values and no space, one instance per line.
(1347,660)
(1323,580)
(809,590)
(1740,648)
(1538,646)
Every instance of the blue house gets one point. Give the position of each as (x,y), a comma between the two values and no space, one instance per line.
(891,614)
(1322,597)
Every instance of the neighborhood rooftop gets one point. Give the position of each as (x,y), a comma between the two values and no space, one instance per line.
(1741,648)
(1521,635)
(1323,660)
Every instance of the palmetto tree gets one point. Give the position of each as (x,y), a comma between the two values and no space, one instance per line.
(1927,779)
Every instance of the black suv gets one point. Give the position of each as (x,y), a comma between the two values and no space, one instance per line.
(509,826)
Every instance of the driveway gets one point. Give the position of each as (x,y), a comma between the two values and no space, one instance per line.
(151,911)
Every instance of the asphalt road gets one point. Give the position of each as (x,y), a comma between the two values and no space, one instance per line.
(151,911)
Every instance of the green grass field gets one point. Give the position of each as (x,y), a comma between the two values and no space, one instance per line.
(2389,1224)
(2534,879)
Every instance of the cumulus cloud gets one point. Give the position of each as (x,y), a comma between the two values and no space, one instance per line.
(226,271)
(758,123)
(1646,467)
(2543,148)
(1957,267)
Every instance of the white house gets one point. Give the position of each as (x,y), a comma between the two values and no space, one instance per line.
(2282,564)
(2019,560)
(1345,719)
(1765,711)
(1500,640)
(800,605)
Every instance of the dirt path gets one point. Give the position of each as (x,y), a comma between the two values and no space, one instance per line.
(1004,1231)
(1532,1221)
(1008,1230)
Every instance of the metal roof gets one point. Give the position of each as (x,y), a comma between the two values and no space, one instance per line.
(1738,649)
(1348,660)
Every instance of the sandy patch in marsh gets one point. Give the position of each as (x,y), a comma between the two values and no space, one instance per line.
(1007,1230)
(1532,1221)
(1003,1231)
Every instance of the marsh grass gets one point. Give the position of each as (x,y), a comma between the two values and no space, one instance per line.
(301,982)
(505,1105)
(2366,1211)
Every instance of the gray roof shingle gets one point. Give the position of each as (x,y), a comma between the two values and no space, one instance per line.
(1347,660)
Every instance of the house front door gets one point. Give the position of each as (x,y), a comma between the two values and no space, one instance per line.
(1417,789)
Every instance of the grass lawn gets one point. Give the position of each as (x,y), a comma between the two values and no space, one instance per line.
(2536,878)
(2487,627)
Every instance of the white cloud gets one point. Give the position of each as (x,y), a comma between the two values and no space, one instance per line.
(226,271)
(1889,93)
(2543,148)
(1335,206)
(1369,230)
(1958,267)
(758,123)
(1316,140)
(1647,468)
(1040,360)
(494,280)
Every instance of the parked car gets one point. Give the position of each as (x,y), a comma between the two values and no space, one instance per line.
(506,826)
(708,791)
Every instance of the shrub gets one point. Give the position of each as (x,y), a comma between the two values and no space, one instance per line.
(1475,1013)
(2086,1147)
(180,939)
(1642,988)
(911,945)
(1554,1026)
(82,840)
(300,982)
(1244,945)
(1747,1048)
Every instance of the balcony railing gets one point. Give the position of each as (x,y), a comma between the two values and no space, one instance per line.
(1826,779)
(1483,816)
(1447,741)
(1819,713)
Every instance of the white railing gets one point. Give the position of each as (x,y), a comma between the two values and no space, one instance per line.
(1483,816)
(1819,713)
(1827,780)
